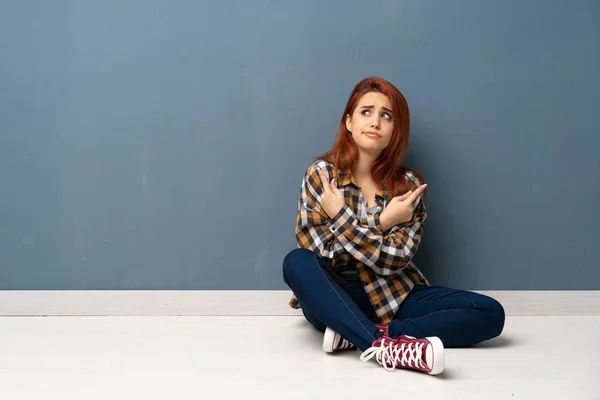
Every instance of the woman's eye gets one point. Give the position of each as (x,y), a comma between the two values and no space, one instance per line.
(386,115)
(365,112)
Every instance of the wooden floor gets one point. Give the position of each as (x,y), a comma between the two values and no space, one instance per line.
(280,358)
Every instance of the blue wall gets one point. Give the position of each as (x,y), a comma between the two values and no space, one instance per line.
(161,144)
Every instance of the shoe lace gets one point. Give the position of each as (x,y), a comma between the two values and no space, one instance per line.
(391,354)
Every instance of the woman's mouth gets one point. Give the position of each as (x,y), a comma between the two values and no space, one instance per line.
(371,134)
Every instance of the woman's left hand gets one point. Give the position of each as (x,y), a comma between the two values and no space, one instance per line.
(332,200)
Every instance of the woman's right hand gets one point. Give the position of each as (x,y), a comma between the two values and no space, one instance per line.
(400,209)
(332,199)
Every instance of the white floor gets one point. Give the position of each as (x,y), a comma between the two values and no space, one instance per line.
(280,358)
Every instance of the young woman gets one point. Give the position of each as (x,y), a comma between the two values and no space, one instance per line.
(359,224)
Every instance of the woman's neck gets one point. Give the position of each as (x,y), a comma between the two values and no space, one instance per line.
(362,169)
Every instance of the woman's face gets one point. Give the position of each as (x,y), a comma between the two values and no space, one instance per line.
(371,123)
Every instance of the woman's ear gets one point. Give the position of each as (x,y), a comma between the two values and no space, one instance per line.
(348,122)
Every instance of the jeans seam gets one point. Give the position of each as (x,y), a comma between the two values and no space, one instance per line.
(433,313)
(437,301)
(327,278)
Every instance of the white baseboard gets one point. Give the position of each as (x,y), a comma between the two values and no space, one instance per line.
(251,302)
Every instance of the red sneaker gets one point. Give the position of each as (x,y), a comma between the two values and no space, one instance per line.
(333,341)
(383,328)
(426,355)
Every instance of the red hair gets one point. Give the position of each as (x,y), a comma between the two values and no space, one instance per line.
(387,171)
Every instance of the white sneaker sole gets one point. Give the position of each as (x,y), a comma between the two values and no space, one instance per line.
(329,340)
(437,357)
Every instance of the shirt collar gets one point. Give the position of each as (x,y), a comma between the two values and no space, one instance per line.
(348,178)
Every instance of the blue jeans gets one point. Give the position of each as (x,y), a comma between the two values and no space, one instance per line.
(459,318)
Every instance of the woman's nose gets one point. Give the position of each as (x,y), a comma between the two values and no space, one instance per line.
(375,122)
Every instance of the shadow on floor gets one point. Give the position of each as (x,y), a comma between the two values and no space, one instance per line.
(501,341)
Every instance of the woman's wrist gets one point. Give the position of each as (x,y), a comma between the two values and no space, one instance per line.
(385,222)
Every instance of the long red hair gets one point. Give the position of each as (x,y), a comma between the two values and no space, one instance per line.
(387,171)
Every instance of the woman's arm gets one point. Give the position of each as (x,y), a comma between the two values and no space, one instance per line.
(386,253)
(312,223)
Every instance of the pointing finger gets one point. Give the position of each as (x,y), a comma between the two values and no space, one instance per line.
(404,196)
(324,181)
(417,192)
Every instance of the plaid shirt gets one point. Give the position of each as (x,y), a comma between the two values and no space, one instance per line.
(383,259)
